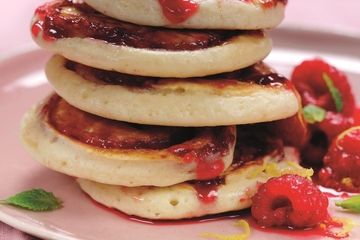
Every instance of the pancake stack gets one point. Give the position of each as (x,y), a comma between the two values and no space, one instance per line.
(164,109)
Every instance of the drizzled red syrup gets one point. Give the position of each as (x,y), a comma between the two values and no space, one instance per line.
(70,19)
(37,26)
(259,74)
(204,169)
(207,190)
(178,11)
(109,134)
(206,152)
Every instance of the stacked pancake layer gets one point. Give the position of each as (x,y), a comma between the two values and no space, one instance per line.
(145,116)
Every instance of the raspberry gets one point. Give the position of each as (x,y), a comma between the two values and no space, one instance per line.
(342,162)
(289,201)
(336,123)
(308,80)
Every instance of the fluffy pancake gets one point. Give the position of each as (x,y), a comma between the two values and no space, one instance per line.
(194,199)
(83,35)
(83,145)
(255,94)
(213,14)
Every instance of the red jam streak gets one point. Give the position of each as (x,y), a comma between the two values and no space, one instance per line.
(109,134)
(206,151)
(257,74)
(69,19)
(253,142)
(207,190)
(178,11)
(37,26)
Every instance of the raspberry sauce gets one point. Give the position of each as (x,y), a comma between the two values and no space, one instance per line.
(207,190)
(37,26)
(206,151)
(178,11)
(206,147)
(109,134)
(259,74)
(69,19)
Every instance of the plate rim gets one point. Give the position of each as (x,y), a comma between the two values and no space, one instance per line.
(31,228)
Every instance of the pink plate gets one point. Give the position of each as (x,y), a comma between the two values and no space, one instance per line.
(23,83)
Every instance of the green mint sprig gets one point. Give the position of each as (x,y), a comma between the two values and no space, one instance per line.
(314,114)
(335,93)
(352,204)
(37,200)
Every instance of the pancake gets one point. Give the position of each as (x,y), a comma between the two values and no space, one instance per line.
(83,145)
(212,14)
(231,192)
(255,94)
(81,34)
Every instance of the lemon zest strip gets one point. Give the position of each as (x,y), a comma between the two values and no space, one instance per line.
(243,236)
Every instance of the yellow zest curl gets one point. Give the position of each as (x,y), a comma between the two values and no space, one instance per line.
(243,236)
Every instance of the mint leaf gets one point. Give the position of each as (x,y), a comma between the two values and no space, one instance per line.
(335,93)
(37,200)
(313,114)
(352,204)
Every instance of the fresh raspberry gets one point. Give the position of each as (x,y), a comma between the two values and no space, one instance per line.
(356,116)
(342,162)
(308,80)
(289,201)
(323,133)
(336,123)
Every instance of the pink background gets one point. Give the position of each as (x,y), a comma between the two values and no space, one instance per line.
(330,15)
